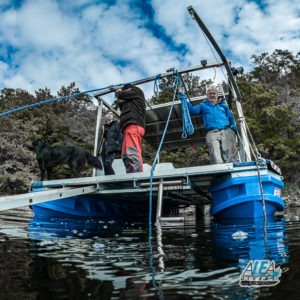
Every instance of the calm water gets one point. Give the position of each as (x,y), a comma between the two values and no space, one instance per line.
(68,259)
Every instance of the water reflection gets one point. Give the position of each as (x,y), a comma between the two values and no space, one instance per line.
(99,259)
(48,228)
(251,240)
(103,248)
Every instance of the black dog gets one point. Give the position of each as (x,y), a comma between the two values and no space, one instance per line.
(51,156)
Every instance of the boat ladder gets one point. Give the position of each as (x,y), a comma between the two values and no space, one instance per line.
(161,183)
(16,201)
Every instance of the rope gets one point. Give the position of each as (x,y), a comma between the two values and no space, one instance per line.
(46,102)
(258,162)
(214,54)
(157,85)
(187,124)
(160,85)
(151,180)
(257,157)
(65,97)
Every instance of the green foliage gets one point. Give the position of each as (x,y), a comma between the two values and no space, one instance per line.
(280,67)
(191,156)
(271,107)
(10,98)
(191,84)
(164,96)
(63,122)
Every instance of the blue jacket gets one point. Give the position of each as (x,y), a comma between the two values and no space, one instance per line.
(215,116)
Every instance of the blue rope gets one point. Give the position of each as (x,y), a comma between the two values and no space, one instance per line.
(156,85)
(45,102)
(159,85)
(63,98)
(151,180)
(187,124)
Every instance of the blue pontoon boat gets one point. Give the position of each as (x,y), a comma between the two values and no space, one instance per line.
(250,188)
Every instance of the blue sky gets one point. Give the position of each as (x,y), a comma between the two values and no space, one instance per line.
(50,43)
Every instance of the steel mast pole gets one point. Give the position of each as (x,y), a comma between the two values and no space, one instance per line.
(163,75)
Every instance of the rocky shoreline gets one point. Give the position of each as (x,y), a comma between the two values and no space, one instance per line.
(291,194)
(289,201)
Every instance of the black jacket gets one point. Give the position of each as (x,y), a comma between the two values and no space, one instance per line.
(113,138)
(133,106)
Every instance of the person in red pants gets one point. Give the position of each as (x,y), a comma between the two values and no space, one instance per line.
(131,100)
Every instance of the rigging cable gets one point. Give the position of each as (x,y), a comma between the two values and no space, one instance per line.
(160,85)
(212,51)
(151,179)
(44,102)
(258,161)
(32,105)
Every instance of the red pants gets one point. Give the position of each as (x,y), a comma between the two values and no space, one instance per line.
(132,148)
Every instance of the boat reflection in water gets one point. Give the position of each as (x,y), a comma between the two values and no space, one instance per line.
(250,240)
(99,257)
(44,228)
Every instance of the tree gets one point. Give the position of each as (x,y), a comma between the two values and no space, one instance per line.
(59,122)
(271,107)
(190,83)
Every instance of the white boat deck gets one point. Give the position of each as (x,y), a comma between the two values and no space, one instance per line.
(188,185)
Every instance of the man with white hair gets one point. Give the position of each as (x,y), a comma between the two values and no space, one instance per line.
(220,127)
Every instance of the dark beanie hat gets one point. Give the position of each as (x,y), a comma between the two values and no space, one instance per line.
(127,86)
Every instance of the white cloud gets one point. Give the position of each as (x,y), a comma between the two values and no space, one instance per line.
(49,43)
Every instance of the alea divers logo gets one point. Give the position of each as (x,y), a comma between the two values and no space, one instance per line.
(260,273)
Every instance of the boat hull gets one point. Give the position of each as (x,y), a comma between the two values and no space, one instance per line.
(235,191)
(91,206)
(240,197)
